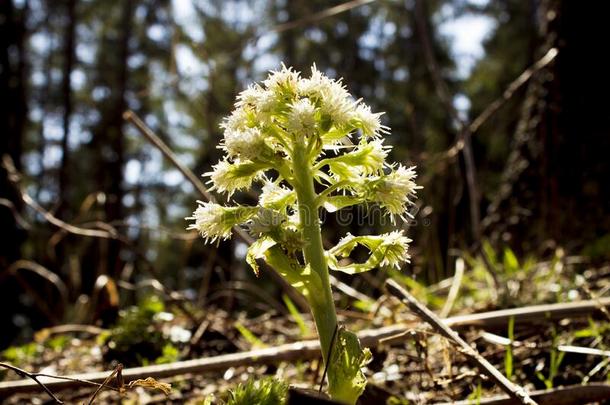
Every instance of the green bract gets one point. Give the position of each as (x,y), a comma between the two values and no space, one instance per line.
(292,136)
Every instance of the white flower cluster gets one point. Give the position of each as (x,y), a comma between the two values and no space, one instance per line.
(214,222)
(248,144)
(397,248)
(301,118)
(387,250)
(229,177)
(268,118)
(274,195)
(285,111)
(393,191)
(290,133)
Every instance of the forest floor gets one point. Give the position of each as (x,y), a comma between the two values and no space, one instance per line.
(537,350)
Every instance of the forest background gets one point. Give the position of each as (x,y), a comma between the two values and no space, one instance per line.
(501,105)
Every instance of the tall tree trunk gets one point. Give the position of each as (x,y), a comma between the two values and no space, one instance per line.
(558,169)
(66,88)
(114,207)
(12,120)
(578,125)
(108,135)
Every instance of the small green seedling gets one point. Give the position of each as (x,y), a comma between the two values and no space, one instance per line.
(508,358)
(266,391)
(310,146)
(555,359)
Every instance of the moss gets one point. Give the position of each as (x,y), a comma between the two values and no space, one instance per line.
(137,338)
(268,391)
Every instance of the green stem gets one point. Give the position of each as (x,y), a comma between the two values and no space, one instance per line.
(322,304)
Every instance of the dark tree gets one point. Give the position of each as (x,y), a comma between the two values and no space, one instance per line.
(12,121)
(70,22)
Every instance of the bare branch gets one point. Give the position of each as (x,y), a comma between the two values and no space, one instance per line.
(317,17)
(131,117)
(108,233)
(512,88)
(33,377)
(116,371)
(18,218)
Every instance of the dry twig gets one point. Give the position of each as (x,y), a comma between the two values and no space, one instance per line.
(513,390)
(32,376)
(523,78)
(117,372)
(455,288)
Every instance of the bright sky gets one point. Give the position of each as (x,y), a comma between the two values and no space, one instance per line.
(467,34)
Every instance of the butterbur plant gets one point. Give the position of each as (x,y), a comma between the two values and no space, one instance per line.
(309,146)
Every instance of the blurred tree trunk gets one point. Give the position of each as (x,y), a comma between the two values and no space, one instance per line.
(575,128)
(108,136)
(558,170)
(12,121)
(66,88)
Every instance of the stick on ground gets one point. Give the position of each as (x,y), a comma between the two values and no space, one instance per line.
(310,349)
(513,390)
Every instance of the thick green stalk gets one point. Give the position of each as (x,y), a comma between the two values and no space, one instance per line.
(322,304)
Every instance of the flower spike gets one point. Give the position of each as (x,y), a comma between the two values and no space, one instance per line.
(310,145)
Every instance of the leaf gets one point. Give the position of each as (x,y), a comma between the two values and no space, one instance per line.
(343,171)
(257,251)
(334,135)
(249,336)
(150,382)
(337,202)
(296,315)
(511,264)
(488,251)
(387,250)
(346,381)
(368,158)
(508,359)
(302,278)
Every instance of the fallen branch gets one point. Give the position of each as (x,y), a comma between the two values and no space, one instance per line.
(45,333)
(310,349)
(288,352)
(570,395)
(533,313)
(513,390)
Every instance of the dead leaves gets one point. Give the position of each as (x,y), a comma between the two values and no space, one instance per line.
(151,383)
